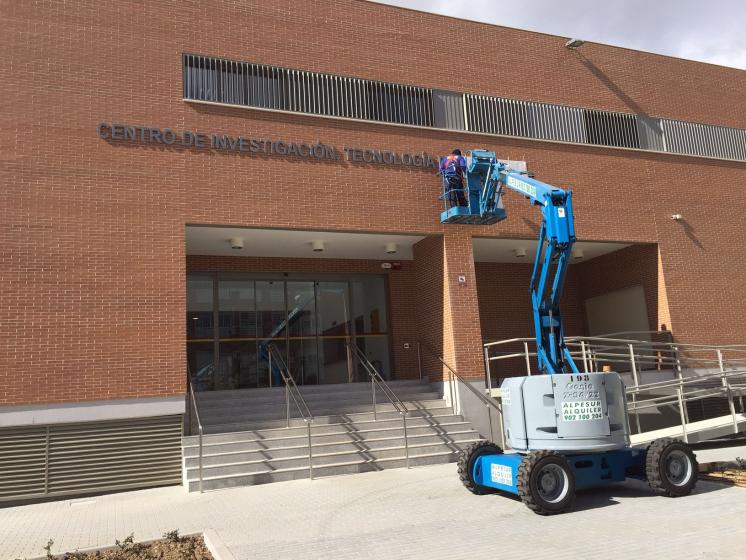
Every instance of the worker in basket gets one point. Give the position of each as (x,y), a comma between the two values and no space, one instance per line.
(453,168)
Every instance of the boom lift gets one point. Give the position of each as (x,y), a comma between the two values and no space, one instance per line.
(567,429)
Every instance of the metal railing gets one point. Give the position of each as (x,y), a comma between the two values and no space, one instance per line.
(624,355)
(690,372)
(453,380)
(679,392)
(292,393)
(200,432)
(376,380)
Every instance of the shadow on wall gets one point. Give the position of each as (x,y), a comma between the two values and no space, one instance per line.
(428,267)
(505,305)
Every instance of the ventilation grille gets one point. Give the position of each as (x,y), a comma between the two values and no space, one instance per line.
(269,87)
(68,459)
(262,86)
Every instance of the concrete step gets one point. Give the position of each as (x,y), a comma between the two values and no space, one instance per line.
(384,412)
(326,431)
(310,391)
(360,437)
(229,481)
(252,454)
(249,396)
(322,460)
(277,409)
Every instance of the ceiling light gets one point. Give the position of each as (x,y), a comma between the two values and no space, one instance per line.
(574,43)
(391,248)
(520,252)
(317,246)
(236,242)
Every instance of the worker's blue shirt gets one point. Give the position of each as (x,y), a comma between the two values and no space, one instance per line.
(452,166)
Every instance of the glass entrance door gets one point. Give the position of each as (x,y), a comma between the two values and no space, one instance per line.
(232,318)
(335,331)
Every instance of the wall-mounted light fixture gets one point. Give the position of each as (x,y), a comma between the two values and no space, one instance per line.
(520,252)
(574,43)
(677,217)
(391,248)
(317,246)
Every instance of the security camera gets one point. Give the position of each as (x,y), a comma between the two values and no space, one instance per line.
(236,242)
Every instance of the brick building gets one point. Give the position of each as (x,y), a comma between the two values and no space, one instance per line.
(141,144)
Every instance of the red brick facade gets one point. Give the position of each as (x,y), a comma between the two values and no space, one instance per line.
(92,233)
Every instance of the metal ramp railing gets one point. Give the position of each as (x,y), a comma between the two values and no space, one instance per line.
(666,381)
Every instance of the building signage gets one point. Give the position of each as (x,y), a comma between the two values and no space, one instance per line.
(113,132)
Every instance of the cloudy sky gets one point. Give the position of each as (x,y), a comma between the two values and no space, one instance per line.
(707,30)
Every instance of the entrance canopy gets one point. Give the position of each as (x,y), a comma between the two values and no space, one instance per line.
(207,240)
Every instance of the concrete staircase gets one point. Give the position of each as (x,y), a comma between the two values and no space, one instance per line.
(247,443)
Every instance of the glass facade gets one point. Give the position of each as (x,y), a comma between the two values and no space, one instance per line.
(232,318)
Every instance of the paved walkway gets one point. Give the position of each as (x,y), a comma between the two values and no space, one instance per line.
(396,514)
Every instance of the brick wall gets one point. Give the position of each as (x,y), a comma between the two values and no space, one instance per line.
(92,250)
(636,265)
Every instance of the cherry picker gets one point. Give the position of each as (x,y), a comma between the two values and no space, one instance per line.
(567,429)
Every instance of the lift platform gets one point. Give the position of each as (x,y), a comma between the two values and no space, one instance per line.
(484,203)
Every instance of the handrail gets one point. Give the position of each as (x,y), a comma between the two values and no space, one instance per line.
(724,365)
(578,338)
(488,402)
(293,392)
(681,397)
(199,424)
(376,379)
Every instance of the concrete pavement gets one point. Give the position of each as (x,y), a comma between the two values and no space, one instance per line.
(395,514)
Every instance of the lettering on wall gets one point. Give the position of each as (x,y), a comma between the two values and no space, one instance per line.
(113,132)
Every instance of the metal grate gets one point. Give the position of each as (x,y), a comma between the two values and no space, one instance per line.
(69,459)
(233,82)
(704,140)
(283,89)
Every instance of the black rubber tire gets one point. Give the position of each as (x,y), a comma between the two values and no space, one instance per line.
(466,465)
(656,467)
(528,479)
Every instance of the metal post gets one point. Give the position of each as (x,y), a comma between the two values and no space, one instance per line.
(637,386)
(287,402)
(373,389)
(419,358)
(269,360)
(680,375)
(487,368)
(310,452)
(489,418)
(682,412)
(585,357)
(726,386)
(200,461)
(406,439)
(528,361)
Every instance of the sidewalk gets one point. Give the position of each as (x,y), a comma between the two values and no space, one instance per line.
(396,514)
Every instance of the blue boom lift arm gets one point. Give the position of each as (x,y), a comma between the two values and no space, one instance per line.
(567,431)
(486,178)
